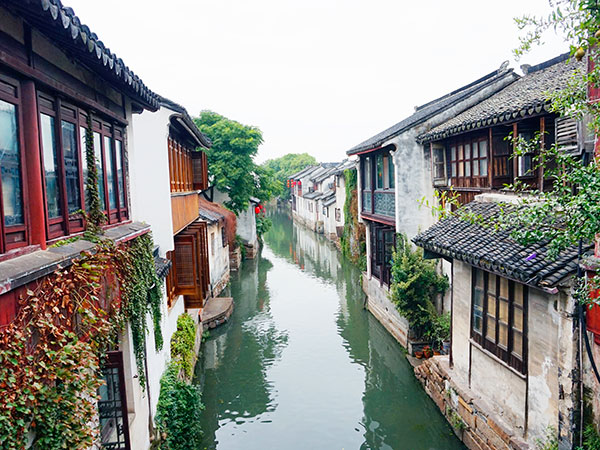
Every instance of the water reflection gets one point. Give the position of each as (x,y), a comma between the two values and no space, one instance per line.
(302,365)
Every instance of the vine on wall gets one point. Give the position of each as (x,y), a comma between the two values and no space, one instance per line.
(52,352)
(353,239)
(95,216)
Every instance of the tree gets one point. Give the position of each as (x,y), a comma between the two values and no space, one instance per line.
(231,165)
(287,165)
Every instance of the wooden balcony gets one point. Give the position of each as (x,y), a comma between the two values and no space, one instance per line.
(184,209)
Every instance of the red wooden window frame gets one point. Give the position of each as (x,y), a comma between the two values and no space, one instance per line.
(190,261)
(14,236)
(459,160)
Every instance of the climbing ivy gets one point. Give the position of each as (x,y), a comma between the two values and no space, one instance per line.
(182,345)
(95,216)
(51,353)
(142,293)
(352,241)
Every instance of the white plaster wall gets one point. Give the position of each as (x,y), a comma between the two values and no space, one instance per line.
(218,255)
(246,220)
(149,174)
(551,360)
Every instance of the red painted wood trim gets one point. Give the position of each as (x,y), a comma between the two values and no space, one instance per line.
(35,192)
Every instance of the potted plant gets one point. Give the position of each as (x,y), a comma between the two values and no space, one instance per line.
(439,331)
(419,355)
(427,351)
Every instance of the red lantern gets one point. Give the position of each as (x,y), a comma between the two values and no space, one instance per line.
(257,209)
(288,183)
(293,183)
(299,183)
(262,208)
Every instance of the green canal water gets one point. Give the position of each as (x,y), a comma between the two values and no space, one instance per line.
(301,364)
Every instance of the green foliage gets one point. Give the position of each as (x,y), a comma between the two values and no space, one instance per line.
(239,242)
(439,330)
(231,160)
(591,439)
(95,216)
(352,240)
(141,291)
(182,346)
(415,283)
(178,412)
(455,420)
(549,442)
(263,224)
(287,165)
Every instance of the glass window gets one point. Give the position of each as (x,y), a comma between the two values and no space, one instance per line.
(367,174)
(99,169)
(379,163)
(82,134)
(110,172)
(439,166)
(10,165)
(71,158)
(391,172)
(498,325)
(119,154)
(51,167)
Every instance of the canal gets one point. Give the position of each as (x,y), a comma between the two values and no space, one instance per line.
(301,364)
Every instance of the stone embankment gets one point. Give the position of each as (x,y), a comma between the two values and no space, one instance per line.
(464,411)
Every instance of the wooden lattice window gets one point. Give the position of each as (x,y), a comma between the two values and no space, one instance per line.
(499,317)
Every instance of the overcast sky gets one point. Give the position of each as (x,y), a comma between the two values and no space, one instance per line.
(316,76)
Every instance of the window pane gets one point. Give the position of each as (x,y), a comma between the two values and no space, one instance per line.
(110,172)
(475,150)
(367,173)
(51,167)
(477,309)
(98,156)
(71,157)
(483,149)
(467,151)
(460,152)
(492,283)
(479,278)
(503,335)
(518,294)
(503,310)
(379,172)
(491,329)
(454,169)
(119,150)
(10,165)
(483,168)
(453,153)
(82,133)
(491,306)
(517,344)
(461,169)
(475,168)
(503,287)
(391,172)
(467,168)
(518,319)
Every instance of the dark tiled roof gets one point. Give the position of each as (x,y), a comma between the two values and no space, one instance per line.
(62,25)
(495,251)
(187,122)
(328,201)
(525,97)
(303,172)
(315,195)
(428,110)
(162,266)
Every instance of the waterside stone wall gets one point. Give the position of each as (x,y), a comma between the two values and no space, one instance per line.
(470,417)
(379,304)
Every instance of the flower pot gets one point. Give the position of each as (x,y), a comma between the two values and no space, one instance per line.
(427,352)
(419,355)
(592,321)
(436,353)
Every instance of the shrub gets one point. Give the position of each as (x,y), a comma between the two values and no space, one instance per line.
(182,345)
(178,412)
(415,283)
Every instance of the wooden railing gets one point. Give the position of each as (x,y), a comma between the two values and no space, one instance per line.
(184,209)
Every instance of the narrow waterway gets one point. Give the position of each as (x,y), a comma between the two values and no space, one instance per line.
(301,364)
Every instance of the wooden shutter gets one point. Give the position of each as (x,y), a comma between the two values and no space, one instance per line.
(200,172)
(566,135)
(201,231)
(186,263)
